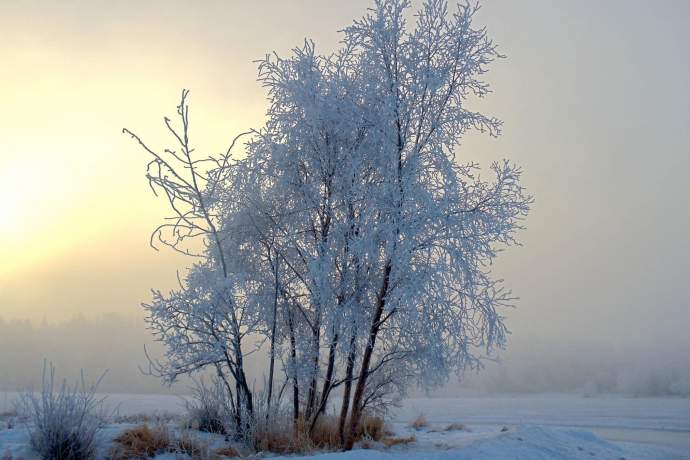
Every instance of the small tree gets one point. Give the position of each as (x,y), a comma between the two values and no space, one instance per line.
(202,324)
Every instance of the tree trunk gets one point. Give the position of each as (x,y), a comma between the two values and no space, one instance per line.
(316,345)
(349,371)
(366,359)
(242,381)
(273,346)
(295,381)
(328,381)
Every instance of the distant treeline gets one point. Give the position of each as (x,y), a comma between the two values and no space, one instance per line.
(110,342)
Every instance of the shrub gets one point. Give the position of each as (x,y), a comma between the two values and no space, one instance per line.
(193,447)
(210,410)
(64,422)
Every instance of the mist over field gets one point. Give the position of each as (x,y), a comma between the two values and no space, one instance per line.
(116,343)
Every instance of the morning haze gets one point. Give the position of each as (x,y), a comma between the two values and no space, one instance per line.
(594,97)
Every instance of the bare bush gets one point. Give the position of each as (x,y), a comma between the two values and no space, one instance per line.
(188,444)
(211,409)
(63,422)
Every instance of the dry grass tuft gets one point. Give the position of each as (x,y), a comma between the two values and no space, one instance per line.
(390,442)
(187,444)
(372,427)
(457,427)
(281,438)
(419,422)
(227,452)
(141,442)
(325,434)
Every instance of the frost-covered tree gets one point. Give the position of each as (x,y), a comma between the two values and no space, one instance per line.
(352,238)
(394,234)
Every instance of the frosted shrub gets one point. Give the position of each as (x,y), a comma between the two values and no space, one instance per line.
(211,408)
(63,422)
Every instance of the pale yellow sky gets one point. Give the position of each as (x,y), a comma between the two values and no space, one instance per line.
(76,210)
(594,97)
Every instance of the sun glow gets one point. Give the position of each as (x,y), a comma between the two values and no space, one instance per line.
(32,207)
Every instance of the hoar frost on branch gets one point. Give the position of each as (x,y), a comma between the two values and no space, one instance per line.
(350,240)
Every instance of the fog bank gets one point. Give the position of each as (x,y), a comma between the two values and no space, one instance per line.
(116,343)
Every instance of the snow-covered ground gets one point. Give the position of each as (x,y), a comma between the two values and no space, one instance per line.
(511,427)
(529,443)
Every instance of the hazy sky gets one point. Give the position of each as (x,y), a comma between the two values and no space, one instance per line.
(594,95)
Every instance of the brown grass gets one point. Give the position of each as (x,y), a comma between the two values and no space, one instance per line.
(419,422)
(140,442)
(227,452)
(325,434)
(281,438)
(390,442)
(143,442)
(372,427)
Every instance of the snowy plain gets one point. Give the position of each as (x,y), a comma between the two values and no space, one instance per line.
(550,426)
